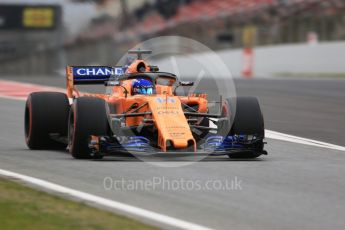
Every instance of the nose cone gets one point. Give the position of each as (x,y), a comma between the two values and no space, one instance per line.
(171,122)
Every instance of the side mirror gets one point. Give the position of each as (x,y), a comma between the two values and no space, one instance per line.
(186,83)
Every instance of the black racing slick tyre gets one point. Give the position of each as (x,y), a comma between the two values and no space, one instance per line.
(46,115)
(246,120)
(88,116)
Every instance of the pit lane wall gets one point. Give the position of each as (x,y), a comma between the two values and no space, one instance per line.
(323,58)
(295,59)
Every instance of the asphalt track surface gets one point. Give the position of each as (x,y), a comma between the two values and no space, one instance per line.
(294,187)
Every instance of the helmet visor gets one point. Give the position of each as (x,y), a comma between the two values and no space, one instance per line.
(146,90)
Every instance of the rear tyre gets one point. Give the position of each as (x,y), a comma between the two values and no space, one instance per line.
(46,114)
(247,120)
(88,116)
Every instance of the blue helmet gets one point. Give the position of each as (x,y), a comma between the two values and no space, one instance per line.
(142,86)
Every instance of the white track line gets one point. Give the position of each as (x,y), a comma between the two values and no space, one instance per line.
(300,140)
(139,212)
(295,139)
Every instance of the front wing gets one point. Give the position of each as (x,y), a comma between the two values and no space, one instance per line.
(140,146)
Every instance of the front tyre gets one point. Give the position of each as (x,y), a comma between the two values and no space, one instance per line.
(245,117)
(88,116)
(46,114)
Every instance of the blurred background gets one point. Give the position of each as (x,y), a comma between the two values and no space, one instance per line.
(281,37)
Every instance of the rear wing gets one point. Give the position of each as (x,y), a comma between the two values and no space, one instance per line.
(87,75)
(92,74)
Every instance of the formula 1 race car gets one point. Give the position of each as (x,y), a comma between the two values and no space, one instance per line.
(142,114)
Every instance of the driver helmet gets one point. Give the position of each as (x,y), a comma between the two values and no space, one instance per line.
(142,86)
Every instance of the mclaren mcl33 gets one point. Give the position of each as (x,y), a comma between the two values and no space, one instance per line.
(124,120)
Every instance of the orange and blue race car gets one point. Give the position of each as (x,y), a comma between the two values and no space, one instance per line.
(141,114)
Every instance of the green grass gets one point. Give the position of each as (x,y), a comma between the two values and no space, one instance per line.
(22,207)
